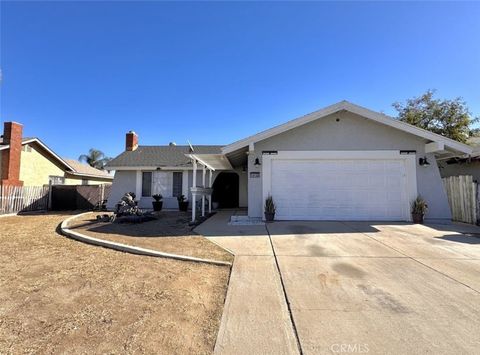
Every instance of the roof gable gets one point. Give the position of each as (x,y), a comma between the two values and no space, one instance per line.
(71,166)
(50,152)
(361,111)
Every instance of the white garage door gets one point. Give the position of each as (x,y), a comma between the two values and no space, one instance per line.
(339,189)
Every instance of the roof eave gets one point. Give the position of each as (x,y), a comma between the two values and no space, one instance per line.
(108,177)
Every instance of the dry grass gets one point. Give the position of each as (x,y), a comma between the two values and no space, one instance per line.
(170,233)
(61,296)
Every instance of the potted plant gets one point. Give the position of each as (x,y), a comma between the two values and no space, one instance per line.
(158,203)
(419,208)
(269,209)
(182,203)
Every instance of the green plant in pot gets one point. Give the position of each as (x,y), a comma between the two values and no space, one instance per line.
(158,202)
(419,208)
(269,209)
(182,203)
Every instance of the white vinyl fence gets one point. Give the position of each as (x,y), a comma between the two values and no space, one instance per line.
(15,199)
(463,197)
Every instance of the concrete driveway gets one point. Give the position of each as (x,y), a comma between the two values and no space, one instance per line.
(336,287)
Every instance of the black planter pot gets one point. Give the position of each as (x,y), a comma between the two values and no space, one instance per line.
(417,218)
(157,205)
(269,216)
(183,206)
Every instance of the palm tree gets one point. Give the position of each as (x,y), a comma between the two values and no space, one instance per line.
(95,158)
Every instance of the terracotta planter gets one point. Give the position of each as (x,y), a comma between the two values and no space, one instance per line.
(183,206)
(269,216)
(417,218)
(157,205)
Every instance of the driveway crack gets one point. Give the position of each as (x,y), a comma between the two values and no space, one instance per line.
(287,301)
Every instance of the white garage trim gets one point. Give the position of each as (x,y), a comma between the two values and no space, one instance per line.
(408,159)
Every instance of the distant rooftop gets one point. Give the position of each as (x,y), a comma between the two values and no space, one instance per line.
(86,169)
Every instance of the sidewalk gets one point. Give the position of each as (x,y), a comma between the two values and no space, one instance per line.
(255,318)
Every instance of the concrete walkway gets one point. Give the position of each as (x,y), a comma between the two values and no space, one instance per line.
(323,287)
(256,319)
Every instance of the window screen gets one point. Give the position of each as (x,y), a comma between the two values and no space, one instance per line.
(177,184)
(147,184)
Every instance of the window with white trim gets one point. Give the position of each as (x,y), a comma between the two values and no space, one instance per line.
(56,180)
(146,184)
(177,183)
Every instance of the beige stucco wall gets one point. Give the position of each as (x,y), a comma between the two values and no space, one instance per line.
(36,167)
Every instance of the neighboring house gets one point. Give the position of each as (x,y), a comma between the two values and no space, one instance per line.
(29,162)
(463,166)
(343,162)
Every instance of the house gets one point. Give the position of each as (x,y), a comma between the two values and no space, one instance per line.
(30,162)
(168,170)
(463,166)
(343,162)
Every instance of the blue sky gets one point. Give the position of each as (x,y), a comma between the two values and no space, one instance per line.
(79,75)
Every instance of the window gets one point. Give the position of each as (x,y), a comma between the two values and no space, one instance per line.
(56,180)
(147,184)
(177,184)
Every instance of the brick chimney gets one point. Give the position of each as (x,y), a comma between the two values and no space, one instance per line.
(131,141)
(12,135)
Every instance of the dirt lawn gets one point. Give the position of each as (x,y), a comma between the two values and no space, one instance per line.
(58,295)
(170,233)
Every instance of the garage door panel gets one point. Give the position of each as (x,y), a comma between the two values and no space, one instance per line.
(343,189)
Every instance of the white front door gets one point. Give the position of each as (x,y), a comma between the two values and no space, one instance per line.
(339,188)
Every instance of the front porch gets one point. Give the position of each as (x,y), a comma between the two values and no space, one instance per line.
(205,163)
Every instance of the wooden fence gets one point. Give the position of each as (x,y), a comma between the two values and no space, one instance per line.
(78,197)
(463,197)
(15,199)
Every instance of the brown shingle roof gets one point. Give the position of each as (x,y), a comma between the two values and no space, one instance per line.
(86,169)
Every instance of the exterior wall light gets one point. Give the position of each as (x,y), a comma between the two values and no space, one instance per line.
(257,162)
(423,161)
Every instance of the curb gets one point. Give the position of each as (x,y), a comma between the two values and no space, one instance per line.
(128,248)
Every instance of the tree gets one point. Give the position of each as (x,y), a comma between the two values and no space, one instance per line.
(450,118)
(95,158)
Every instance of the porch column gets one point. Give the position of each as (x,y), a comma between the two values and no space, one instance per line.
(194,207)
(203,194)
(210,173)
(194,184)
